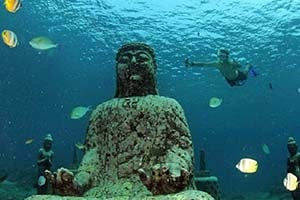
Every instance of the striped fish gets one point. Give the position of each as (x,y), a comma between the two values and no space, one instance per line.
(12,5)
(9,38)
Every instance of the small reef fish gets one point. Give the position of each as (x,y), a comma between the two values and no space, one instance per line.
(41,180)
(290,182)
(247,165)
(42,43)
(12,5)
(215,102)
(298,90)
(270,86)
(29,141)
(79,111)
(80,146)
(9,38)
(265,149)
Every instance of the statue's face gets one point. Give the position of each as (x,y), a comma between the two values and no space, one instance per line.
(292,148)
(134,64)
(47,145)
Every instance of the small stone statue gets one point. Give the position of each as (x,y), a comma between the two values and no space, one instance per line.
(44,162)
(293,164)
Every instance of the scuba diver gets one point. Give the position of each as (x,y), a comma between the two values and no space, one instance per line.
(231,70)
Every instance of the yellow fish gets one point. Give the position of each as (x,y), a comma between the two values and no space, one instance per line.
(247,165)
(79,111)
(29,141)
(215,102)
(9,38)
(12,5)
(290,182)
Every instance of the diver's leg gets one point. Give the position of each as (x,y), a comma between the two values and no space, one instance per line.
(249,70)
(248,67)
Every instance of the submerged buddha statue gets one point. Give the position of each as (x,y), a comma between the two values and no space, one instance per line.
(138,141)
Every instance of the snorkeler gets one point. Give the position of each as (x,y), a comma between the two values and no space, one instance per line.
(232,71)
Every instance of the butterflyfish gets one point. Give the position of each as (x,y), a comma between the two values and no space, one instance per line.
(9,38)
(12,5)
(290,182)
(247,165)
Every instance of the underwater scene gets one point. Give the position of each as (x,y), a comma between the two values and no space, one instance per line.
(150,99)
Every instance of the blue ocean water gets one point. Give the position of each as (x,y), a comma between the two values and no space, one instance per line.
(38,90)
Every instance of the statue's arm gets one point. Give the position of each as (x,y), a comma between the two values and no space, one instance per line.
(289,166)
(87,169)
(182,149)
(40,159)
(172,171)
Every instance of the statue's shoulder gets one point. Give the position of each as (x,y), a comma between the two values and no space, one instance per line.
(149,99)
(41,150)
(107,104)
(162,104)
(149,102)
(162,101)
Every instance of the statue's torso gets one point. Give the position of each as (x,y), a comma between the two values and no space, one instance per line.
(132,133)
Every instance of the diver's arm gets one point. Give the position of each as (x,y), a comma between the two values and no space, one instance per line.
(201,64)
(204,64)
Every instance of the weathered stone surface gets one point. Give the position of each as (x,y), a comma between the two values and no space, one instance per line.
(127,134)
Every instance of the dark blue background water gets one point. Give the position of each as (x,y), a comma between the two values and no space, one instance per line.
(38,91)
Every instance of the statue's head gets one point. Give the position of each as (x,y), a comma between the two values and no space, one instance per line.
(136,70)
(48,142)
